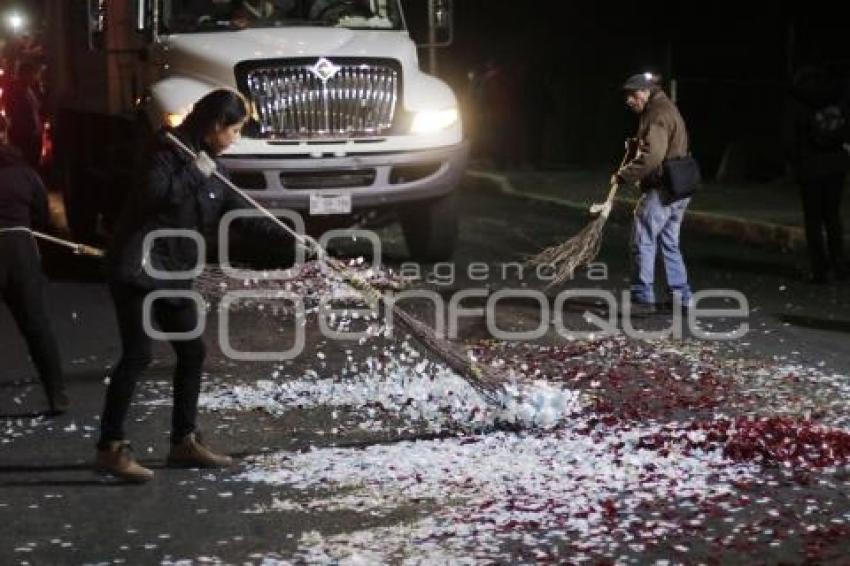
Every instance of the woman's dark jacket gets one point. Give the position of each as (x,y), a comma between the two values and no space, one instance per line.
(23,198)
(171,194)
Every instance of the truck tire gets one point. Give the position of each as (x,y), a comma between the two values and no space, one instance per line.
(430,228)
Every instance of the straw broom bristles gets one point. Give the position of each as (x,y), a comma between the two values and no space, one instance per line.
(488,381)
(582,248)
(579,250)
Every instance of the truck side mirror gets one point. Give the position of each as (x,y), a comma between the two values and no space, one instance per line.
(97,22)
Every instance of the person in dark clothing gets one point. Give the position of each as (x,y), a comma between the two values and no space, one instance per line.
(176,192)
(23,206)
(23,107)
(818,131)
(500,93)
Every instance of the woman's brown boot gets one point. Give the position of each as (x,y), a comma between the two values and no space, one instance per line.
(116,458)
(190,452)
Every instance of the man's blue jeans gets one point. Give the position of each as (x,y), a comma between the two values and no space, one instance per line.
(658,225)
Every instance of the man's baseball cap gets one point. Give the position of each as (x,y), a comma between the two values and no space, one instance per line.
(640,81)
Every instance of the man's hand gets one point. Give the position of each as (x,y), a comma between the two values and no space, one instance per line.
(602,209)
(616,180)
(205,164)
(846,147)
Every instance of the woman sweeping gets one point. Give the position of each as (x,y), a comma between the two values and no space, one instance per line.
(182,193)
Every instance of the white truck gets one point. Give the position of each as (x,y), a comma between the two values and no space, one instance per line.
(343,121)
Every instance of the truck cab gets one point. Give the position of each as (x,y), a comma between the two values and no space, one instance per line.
(343,122)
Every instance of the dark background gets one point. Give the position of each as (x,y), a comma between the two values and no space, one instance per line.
(732,63)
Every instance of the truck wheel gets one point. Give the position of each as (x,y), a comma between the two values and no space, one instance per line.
(430,229)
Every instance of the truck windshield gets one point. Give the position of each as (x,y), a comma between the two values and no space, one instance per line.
(196,16)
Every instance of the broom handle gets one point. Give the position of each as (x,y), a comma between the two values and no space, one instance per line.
(612,192)
(298,237)
(80,249)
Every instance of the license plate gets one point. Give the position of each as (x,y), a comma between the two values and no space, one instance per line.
(330,204)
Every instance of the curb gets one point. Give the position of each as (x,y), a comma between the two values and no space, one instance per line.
(758,232)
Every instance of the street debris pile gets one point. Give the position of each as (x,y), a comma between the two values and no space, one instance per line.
(603,451)
(671,381)
(660,447)
(579,486)
(428,397)
(783,441)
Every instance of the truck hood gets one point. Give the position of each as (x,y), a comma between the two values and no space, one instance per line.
(212,56)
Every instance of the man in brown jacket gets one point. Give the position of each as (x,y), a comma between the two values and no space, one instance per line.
(661,135)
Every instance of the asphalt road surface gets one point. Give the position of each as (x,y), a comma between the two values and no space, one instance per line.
(55,510)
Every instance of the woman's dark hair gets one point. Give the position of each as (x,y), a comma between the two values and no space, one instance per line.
(222,107)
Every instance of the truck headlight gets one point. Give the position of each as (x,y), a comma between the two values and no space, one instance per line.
(173,119)
(429,121)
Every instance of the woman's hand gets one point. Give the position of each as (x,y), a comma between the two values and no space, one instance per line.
(205,164)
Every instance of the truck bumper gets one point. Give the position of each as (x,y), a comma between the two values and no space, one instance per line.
(372,179)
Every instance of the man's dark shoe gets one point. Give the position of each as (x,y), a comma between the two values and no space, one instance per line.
(191,452)
(116,458)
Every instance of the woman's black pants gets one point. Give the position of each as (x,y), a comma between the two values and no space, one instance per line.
(22,289)
(171,315)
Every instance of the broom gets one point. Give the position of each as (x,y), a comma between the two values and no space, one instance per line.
(582,248)
(79,249)
(486,380)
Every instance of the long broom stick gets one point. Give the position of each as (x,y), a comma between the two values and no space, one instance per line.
(582,248)
(486,380)
(79,249)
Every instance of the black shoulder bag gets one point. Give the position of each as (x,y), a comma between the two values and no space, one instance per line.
(681,177)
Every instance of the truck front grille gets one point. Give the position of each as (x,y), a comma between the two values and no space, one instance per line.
(290,100)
